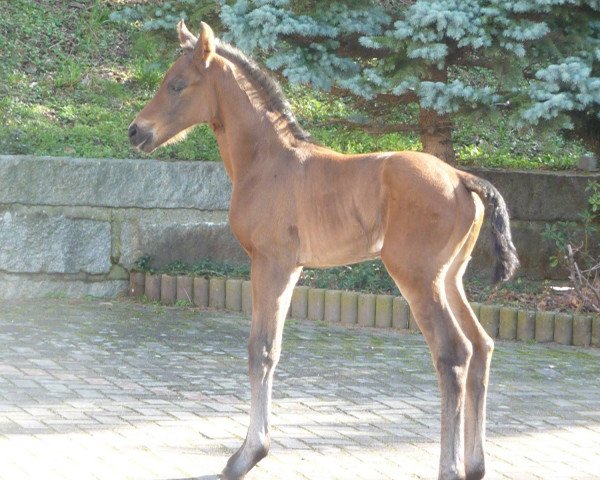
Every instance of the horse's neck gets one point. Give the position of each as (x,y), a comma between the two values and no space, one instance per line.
(246,136)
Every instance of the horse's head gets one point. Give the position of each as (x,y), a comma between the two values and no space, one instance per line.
(185,97)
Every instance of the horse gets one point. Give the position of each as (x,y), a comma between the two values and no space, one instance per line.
(296,203)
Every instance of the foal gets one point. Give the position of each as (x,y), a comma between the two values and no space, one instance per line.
(296,203)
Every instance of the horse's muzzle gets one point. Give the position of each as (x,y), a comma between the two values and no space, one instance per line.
(140,138)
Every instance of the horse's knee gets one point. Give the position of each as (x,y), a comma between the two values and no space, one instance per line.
(483,348)
(452,362)
(263,355)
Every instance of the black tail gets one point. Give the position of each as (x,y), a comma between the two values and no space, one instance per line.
(506,254)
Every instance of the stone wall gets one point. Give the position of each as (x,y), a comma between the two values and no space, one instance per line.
(534,199)
(75,226)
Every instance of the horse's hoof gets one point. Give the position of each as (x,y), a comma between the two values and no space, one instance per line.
(476,474)
(225,476)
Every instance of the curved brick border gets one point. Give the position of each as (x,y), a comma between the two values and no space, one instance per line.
(365,309)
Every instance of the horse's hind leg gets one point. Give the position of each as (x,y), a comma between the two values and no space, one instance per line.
(479,367)
(272,286)
(450,351)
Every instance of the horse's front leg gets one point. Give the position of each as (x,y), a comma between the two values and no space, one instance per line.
(272,285)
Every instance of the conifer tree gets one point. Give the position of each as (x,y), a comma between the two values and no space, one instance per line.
(537,60)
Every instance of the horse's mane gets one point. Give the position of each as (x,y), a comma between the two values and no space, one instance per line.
(272,95)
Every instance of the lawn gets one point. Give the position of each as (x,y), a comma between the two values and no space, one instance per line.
(71,81)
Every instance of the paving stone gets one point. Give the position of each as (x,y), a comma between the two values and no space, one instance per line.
(200,292)
(384,311)
(508,323)
(126,391)
(413,326)
(299,304)
(316,304)
(525,325)
(185,289)
(563,329)
(582,330)
(137,281)
(332,306)
(216,293)
(400,313)
(152,287)
(349,308)
(233,294)
(366,309)
(596,330)
(168,289)
(247,297)
(544,326)
(489,316)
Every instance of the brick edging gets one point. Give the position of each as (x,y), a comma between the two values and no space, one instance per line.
(365,309)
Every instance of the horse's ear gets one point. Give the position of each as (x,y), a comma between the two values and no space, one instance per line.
(187,41)
(206,43)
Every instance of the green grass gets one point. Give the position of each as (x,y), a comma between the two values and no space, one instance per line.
(71,81)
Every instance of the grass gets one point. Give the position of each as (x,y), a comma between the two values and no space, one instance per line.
(71,81)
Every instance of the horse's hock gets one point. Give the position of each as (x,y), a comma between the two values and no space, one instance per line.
(76,226)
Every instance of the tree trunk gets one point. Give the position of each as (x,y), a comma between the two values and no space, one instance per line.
(435,131)
(587,129)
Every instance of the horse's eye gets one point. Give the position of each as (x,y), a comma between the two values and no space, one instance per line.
(176,87)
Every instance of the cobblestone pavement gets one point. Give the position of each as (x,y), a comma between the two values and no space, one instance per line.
(113,390)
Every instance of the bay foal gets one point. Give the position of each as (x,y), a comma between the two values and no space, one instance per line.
(296,203)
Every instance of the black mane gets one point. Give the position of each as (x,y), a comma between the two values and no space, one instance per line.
(272,94)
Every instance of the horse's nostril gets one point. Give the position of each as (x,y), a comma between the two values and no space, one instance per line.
(132,130)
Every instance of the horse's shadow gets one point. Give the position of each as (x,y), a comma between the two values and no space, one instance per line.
(201,477)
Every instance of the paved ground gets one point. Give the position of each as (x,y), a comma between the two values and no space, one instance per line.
(111,390)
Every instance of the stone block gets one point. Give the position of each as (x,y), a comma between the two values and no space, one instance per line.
(137,281)
(507,329)
(384,311)
(168,289)
(185,289)
(476,307)
(152,287)
(582,330)
(247,297)
(299,306)
(233,294)
(563,328)
(596,331)
(332,306)
(366,309)
(527,196)
(349,308)
(167,240)
(400,313)
(200,292)
(216,293)
(316,304)
(489,317)
(39,243)
(526,325)
(544,326)
(33,286)
(121,183)
(588,163)
(534,262)
(413,326)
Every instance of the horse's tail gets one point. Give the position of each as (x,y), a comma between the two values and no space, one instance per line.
(506,254)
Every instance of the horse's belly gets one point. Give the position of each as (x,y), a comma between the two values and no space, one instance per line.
(330,251)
